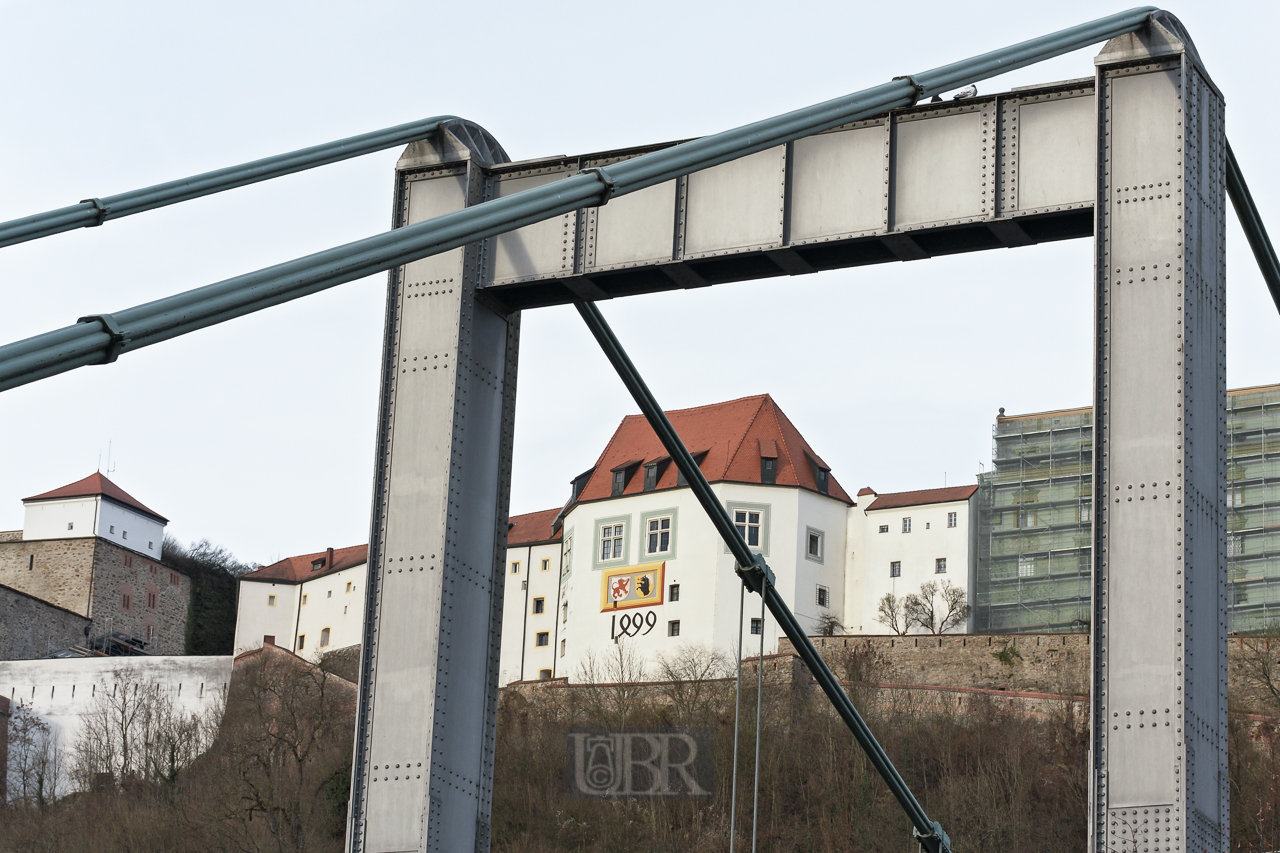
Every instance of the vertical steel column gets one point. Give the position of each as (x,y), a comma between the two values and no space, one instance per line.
(423,768)
(1159,748)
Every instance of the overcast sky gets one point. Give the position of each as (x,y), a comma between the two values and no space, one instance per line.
(259,434)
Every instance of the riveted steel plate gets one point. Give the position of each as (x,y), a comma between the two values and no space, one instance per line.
(1058,141)
(736,206)
(838,184)
(539,250)
(941,169)
(634,229)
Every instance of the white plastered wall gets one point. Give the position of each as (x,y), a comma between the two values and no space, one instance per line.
(257,617)
(72,518)
(334,601)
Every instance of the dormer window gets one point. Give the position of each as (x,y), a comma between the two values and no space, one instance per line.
(317,565)
(619,482)
(622,475)
(821,474)
(653,471)
(768,471)
(697,460)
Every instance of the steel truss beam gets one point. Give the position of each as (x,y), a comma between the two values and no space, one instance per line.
(95,211)
(93,342)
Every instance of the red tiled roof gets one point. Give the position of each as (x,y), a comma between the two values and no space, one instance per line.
(866,490)
(96,484)
(923,496)
(732,434)
(533,528)
(298,569)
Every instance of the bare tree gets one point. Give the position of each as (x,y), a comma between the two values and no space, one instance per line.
(1258,659)
(891,613)
(938,608)
(35,759)
(828,625)
(693,677)
(613,680)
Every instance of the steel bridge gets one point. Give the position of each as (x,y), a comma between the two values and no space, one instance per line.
(1135,156)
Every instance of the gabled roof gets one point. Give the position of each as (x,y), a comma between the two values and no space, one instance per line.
(732,435)
(299,569)
(93,485)
(533,528)
(894,500)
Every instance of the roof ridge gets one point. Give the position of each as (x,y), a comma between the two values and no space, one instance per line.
(764,398)
(710,405)
(782,434)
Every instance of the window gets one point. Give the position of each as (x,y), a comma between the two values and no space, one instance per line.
(546,565)
(951,519)
(611,541)
(1086,513)
(539,605)
(271,601)
(350,586)
(151,600)
(757,627)
(71,525)
(1235,496)
(895,569)
(673,592)
(128,561)
(328,594)
(544,675)
(673,628)
(268,639)
(317,565)
(302,642)
(769,471)
(619,481)
(562,648)
(906,525)
(153,568)
(124,534)
(813,546)
(940,566)
(659,536)
(748,524)
(515,567)
(884,528)
(823,596)
(543,638)
(564,612)
(1026,566)
(124,601)
(344,610)
(304,598)
(650,476)
(151,546)
(697,460)
(113,528)
(1235,546)
(926,525)
(324,637)
(174,579)
(821,476)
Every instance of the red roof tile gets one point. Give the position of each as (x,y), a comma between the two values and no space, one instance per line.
(533,528)
(298,569)
(866,490)
(96,484)
(894,500)
(732,434)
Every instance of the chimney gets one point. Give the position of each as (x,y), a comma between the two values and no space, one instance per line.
(328,560)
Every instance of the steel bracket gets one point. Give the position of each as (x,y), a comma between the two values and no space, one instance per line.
(109,325)
(756,575)
(99,207)
(938,840)
(607,193)
(914,85)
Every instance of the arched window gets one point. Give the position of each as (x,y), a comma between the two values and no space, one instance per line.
(324,637)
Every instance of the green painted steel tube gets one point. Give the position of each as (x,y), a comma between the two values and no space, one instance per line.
(96,211)
(186,312)
(1254,231)
(757,577)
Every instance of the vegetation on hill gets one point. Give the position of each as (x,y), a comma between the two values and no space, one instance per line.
(211,616)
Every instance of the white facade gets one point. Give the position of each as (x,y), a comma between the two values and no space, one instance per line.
(530,619)
(95,515)
(895,550)
(310,618)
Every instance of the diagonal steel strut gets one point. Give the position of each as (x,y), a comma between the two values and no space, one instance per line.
(1254,230)
(758,577)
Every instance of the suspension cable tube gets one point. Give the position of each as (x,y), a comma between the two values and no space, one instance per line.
(737,712)
(755,803)
(758,577)
(215,303)
(91,212)
(1251,222)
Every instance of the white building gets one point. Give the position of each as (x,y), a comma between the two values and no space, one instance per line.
(310,604)
(897,542)
(94,506)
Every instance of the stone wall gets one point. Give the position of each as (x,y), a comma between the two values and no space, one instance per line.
(4,749)
(59,571)
(30,628)
(119,589)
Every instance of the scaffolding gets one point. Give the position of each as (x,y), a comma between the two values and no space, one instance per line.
(1035,509)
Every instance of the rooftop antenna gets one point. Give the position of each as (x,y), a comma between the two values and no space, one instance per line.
(110,469)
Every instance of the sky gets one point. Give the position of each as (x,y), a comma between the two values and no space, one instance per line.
(258,434)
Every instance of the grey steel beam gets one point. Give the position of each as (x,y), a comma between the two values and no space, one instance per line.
(422,775)
(95,211)
(88,343)
(758,577)
(1159,715)
(1254,230)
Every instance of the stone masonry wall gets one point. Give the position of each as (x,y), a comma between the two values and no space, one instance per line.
(141,597)
(58,571)
(29,627)
(117,588)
